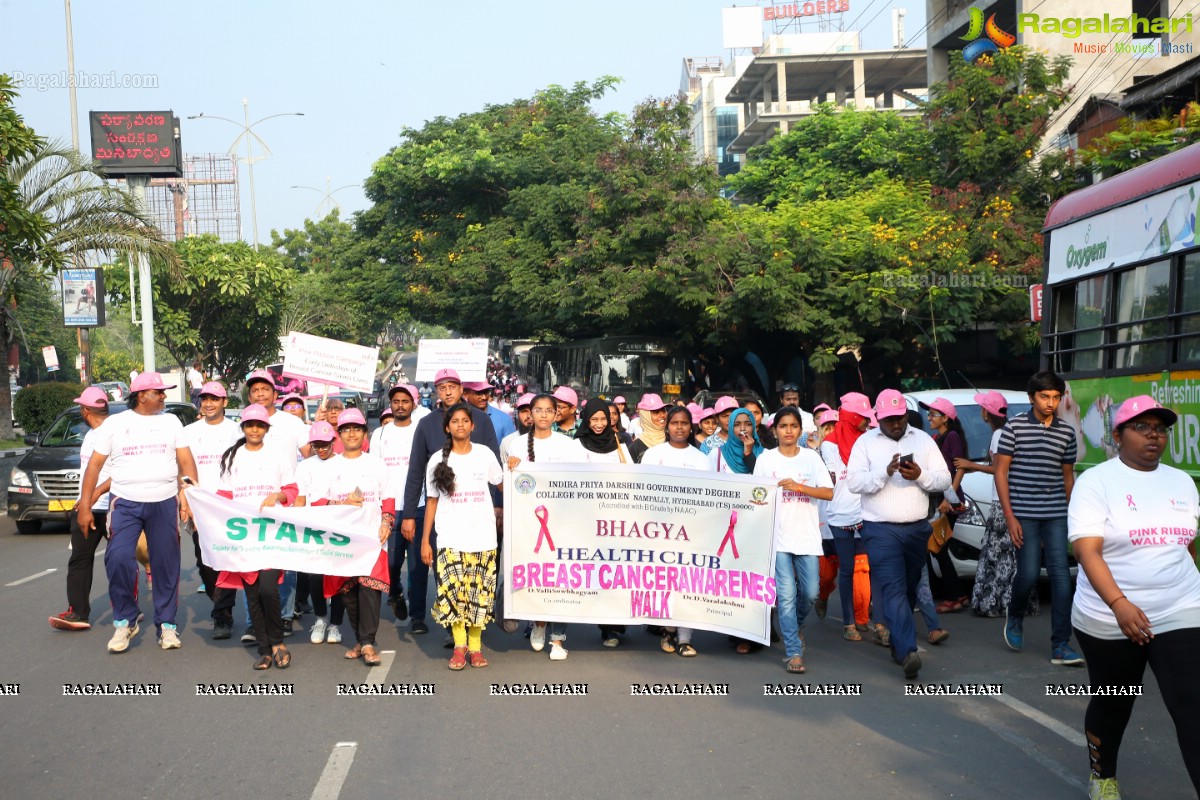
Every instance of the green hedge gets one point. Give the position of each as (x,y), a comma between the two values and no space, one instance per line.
(35,407)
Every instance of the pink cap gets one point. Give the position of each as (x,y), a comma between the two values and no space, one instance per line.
(890,403)
(92,397)
(321,432)
(705,413)
(289,398)
(255,413)
(819,407)
(147,381)
(478,386)
(407,388)
(351,416)
(651,402)
(1143,404)
(567,395)
(214,389)
(619,400)
(444,375)
(724,404)
(827,417)
(386,412)
(945,406)
(260,375)
(992,402)
(525,399)
(857,403)
(694,409)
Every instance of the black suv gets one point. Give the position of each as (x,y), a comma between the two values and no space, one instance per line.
(44,484)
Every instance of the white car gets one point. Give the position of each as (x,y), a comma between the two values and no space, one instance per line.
(977,488)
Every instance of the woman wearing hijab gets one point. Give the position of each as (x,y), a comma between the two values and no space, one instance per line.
(600,440)
(652,412)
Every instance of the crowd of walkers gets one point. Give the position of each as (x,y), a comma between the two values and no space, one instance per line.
(863,490)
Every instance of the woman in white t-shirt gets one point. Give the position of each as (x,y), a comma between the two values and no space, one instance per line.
(543,445)
(677,451)
(802,479)
(598,438)
(459,503)
(1132,522)
(312,482)
(255,473)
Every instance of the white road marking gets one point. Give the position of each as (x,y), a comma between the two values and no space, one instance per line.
(377,674)
(329,785)
(31,577)
(1045,720)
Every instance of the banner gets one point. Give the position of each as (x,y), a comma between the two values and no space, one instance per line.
(467,357)
(629,545)
(82,297)
(323,540)
(315,358)
(50,355)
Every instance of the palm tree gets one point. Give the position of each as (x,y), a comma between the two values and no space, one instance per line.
(84,214)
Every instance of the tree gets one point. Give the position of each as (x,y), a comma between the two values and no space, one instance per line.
(224,308)
(1141,141)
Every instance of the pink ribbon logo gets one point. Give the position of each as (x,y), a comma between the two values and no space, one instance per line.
(544,534)
(1129,500)
(729,539)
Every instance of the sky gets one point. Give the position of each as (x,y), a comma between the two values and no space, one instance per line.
(359,72)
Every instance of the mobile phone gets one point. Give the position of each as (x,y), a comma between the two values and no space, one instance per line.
(907,458)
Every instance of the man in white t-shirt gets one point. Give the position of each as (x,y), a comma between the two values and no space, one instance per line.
(148,454)
(195,379)
(394,446)
(208,438)
(287,430)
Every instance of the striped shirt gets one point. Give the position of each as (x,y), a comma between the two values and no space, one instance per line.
(1035,477)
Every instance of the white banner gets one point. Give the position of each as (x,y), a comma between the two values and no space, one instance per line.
(467,357)
(323,540)
(315,358)
(627,544)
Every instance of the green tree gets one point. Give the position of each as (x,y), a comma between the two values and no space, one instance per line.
(1140,141)
(223,308)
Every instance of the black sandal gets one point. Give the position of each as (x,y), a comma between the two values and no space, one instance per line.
(282,658)
(686,650)
(264,662)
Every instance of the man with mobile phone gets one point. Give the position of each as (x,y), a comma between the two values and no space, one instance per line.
(894,469)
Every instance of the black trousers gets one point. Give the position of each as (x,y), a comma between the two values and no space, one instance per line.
(1174,658)
(81,564)
(263,599)
(363,607)
(223,600)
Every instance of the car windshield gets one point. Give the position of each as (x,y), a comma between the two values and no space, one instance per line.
(979,433)
(66,431)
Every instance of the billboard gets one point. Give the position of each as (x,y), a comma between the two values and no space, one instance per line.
(136,143)
(82,297)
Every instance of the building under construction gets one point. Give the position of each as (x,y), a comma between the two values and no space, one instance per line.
(204,200)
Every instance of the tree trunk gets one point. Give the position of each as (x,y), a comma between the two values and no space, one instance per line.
(6,425)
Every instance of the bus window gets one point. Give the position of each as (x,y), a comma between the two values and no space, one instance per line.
(1079,314)
(1142,299)
(1189,326)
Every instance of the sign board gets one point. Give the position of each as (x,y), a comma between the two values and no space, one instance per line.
(82,297)
(467,357)
(136,143)
(51,357)
(315,358)
(1035,302)
(741,27)
(792,10)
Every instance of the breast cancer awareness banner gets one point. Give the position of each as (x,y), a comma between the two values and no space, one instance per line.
(626,544)
(322,540)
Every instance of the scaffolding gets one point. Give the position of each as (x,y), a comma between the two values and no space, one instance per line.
(204,200)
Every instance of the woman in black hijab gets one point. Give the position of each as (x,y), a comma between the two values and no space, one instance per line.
(596,434)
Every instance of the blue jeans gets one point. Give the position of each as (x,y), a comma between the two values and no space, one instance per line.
(1046,537)
(897,555)
(925,601)
(400,549)
(796,582)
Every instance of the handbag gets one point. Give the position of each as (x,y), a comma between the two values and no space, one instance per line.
(941,534)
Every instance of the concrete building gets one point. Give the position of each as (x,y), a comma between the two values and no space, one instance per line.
(715,123)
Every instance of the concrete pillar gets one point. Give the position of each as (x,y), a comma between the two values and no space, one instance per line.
(781,82)
(860,89)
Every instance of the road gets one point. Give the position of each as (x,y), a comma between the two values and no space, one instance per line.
(462,739)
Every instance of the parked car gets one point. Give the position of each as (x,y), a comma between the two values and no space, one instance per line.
(44,484)
(116,390)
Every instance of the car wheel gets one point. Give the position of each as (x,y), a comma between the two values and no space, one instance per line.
(29,526)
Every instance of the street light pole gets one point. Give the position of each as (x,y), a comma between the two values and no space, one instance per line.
(248,133)
(329,193)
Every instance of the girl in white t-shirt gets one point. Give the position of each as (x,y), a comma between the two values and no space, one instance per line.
(459,503)
(802,479)
(255,473)
(543,445)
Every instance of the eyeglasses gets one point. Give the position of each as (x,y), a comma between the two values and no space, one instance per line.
(1145,429)
(933,413)
(322,445)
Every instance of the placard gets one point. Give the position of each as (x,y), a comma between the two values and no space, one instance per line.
(82,297)
(315,358)
(467,357)
(51,357)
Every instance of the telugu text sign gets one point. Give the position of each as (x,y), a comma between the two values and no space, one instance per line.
(467,357)
(624,544)
(315,358)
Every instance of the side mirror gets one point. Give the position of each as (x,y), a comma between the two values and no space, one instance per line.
(31,439)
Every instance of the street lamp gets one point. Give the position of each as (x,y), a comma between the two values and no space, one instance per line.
(328,193)
(248,134)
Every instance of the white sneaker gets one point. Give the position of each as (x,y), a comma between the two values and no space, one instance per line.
(318,631)
(169,638)
(122,635)
(537,638)
(333,634)
(557,652)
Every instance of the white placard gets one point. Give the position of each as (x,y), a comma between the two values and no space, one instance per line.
(467,357)
(51,356)
(315,358)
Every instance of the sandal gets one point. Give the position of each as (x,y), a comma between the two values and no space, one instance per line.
(264,662)
(950,606)
(666,643)
(883,637)
(795,665)
(353,652)
(370,656)
(743,648)
(475,659)
(459,659)
(282,658)
(686,650)
(938,635)
(851,634)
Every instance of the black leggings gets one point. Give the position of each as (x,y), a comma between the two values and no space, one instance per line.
(1174,658)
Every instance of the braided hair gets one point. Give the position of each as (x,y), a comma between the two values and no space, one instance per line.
(443,473)
(531,458)
(227,457)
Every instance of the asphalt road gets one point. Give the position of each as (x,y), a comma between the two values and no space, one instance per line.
(463,740)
